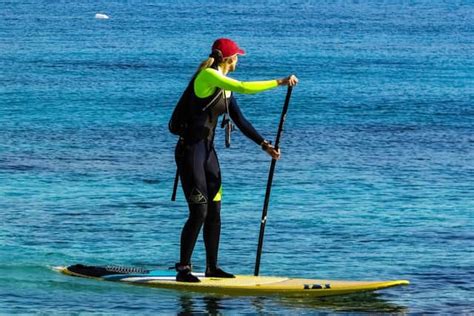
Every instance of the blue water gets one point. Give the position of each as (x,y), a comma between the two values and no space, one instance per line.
(376,179)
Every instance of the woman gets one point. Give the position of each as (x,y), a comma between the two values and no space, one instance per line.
(195,155)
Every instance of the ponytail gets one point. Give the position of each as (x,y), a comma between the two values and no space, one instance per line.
(215,58)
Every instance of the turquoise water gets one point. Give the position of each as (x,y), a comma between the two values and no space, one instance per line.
(375,180)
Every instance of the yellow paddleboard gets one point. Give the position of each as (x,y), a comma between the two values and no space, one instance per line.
(240,285)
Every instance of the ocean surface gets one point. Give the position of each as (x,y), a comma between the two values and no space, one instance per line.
(376,179)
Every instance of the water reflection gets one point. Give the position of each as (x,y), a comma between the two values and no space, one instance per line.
(362,302)
(207,304)
(216,304)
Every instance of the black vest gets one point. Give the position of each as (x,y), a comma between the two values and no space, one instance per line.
(204,115)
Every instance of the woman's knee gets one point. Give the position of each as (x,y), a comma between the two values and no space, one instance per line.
(214,213)
(198,212)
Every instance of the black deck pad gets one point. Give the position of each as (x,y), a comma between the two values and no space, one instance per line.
(98,271)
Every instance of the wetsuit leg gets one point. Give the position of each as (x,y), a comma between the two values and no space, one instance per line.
(212,232)
(191,161)
(190,232)
(212,224)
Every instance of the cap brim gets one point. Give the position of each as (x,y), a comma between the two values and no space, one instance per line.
(240,51)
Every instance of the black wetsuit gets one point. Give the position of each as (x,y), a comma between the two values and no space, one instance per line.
(200,173)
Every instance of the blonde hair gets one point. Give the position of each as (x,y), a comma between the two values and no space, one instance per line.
(206,64)
(214,58)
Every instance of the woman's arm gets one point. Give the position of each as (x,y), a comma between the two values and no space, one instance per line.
(242,123)
(209,79)
(249,131)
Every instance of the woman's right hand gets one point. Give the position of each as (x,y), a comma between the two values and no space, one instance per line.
(290,81)
(269,149)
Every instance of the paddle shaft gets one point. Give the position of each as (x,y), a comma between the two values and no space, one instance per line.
(175,186)
(269,183)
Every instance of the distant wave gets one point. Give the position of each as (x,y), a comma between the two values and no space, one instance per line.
(94,64)
(18,167)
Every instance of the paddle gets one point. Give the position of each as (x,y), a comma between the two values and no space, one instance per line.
(175,185)
(269,183)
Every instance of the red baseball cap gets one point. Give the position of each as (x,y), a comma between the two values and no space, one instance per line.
(227,47)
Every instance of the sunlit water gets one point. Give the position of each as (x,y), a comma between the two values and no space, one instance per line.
(375,180)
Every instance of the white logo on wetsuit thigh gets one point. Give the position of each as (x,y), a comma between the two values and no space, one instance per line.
(196,197)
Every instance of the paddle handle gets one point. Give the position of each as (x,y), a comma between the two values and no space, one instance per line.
(269,183)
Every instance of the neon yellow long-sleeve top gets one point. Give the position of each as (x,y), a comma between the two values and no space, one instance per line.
(209,79)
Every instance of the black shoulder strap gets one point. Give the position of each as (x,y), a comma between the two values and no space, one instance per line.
(213,100)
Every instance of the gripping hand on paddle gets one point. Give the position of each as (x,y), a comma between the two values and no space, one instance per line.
(269,149)
(290,81)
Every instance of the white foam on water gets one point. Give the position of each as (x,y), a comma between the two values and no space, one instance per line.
(101,16)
